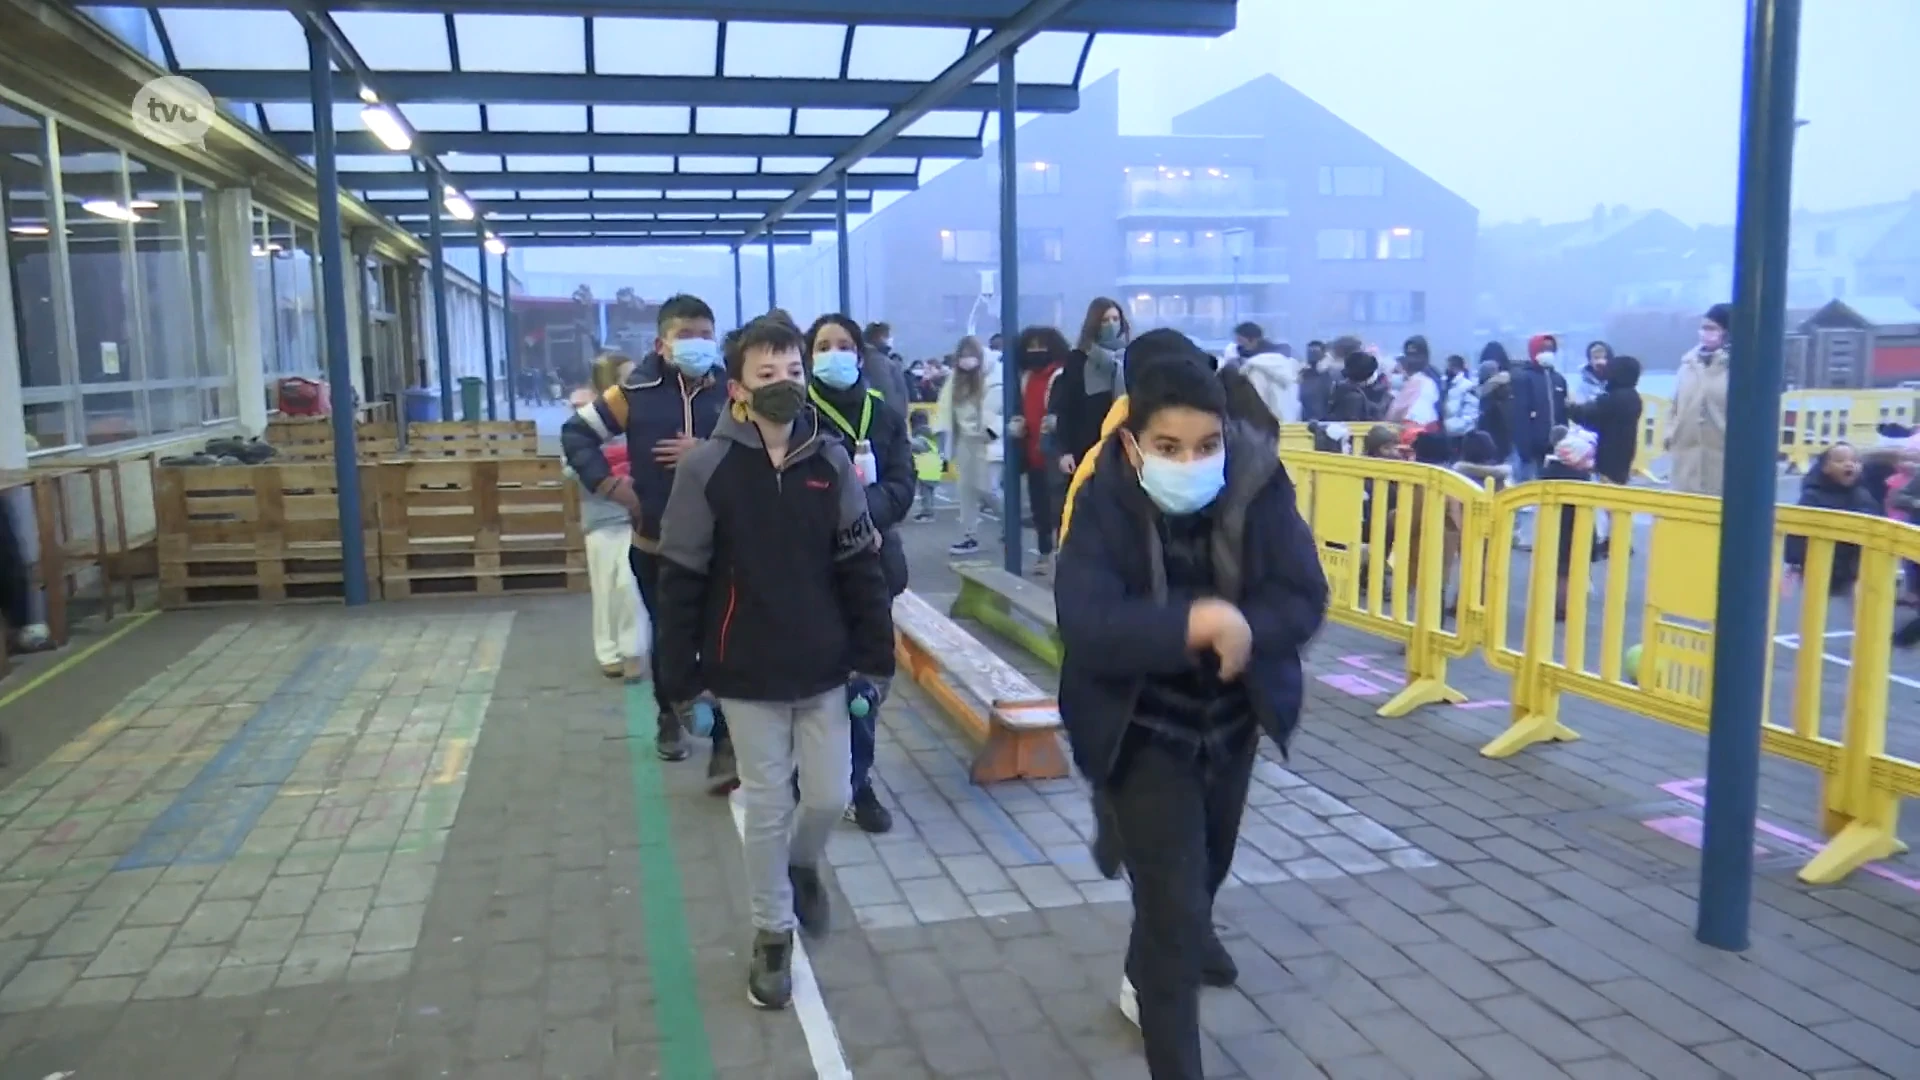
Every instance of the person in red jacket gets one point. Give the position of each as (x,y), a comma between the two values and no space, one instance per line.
(1042,352)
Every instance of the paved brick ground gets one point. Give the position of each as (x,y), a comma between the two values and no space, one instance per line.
(1402,906)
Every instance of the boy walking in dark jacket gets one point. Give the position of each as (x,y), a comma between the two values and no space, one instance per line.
(663,409)
(773,599)
(1186,591)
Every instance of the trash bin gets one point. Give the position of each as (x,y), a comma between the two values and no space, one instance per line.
(423,405)
(470,390)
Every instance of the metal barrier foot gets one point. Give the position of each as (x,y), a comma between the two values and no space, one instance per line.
(1530,729)
(1857,845)
(1426,691)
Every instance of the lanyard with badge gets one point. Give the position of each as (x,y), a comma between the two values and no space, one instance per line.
(864,464)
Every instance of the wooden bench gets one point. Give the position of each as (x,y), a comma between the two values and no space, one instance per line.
(1011,606)
(1016,723)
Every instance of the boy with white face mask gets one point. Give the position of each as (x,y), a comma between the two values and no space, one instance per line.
(1186,590)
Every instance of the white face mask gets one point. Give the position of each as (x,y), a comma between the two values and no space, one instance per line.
(967,363)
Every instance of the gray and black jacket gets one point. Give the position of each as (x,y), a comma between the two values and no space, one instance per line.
(771,587)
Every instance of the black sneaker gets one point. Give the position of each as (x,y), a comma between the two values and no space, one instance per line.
(1216,963)
(723,772)
(965,547)
(671,742)
(923,516)
(810,903)
(1106,839)
(769,975)
(867,812)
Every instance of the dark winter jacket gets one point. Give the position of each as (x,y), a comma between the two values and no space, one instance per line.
(1121,624)
(1614,419)
(655,403)
(1076,413)
(1496,411)
(1822,492)
(1539,406)
(890,493)
(771,587)
(883,371)
(1316,388)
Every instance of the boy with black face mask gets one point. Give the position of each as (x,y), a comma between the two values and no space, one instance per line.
(772,597)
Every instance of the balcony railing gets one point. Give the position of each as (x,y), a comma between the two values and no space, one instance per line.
(1204,196)
(1143,261)
(1209,328)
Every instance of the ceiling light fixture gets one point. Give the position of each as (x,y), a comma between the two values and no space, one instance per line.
(387,128)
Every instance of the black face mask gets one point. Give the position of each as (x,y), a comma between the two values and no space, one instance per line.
(1034,361)
(778,402)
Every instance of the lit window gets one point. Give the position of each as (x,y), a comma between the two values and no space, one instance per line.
(1341,243)
(966,246)
(1038,178)
(1399,243)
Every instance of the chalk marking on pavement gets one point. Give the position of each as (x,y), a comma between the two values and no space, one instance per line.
(823,1039)
(132,624)
(455,765)
(1792,641)
(1693,792)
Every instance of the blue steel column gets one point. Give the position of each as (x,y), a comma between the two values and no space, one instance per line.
(486,319)
(333,303)
(442,332)
(846,256)
(506,338)
(1010,315)
(739,299)
(1741,616)
(773,296)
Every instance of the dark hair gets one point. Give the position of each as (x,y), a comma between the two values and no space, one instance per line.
(1605,349)
(1360,367)
(1168,384)
(782,315)
(844,323)
(1344,346)
(767,332)
(1047,338)
(1496,353)
(1249,330)
(1417,346)
(1456,362)
(1097,314)
(1153,347)
(1245,404)
(1720,315)
(683,306)
(1316,343)
(1431,448)
(876,331)
(1479,449)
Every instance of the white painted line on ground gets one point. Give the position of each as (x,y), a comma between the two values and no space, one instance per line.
(823,1039)
(1792,641)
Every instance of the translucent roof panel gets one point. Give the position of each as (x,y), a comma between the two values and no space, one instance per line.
(633,193)
(655,46)
(549,43)
(251,40)
(719,164)
(559,217)
(556,193)
(904,53)
(493,194)
(701,195)
(133,25)
(1051,57)
(537,117)
(990,131)
(794,164)
(545,163)
(886,165)
(619,163)
(643,119)
(374,163)
(290,117)
(739,121)
(962,125)
(837,121)
(471,162)
(784,50)
(398,41)
(377,199)
(623,217)
(429,118)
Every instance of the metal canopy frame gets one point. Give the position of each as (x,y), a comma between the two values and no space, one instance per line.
(625,99)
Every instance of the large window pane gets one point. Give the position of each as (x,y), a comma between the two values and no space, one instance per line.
(28,216)
(215,347)
(263,293)
(99,220)
(164,283)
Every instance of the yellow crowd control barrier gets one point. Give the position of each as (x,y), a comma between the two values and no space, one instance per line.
(1395,538)
(1812,420)
(1388,533)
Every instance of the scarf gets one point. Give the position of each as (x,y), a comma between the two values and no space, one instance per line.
(1103,369)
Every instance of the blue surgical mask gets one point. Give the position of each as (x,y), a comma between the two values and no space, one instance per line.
(838,369)
(1110,334)
(1183,487)
(695,357)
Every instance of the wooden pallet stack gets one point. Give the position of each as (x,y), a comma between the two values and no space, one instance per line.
(310,438)
(482,527)
(478,439)
(255,533)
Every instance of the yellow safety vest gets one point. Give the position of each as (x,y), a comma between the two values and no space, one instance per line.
(1116,415)
(833,414)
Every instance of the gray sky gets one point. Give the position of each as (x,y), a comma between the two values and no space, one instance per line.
(1541,108)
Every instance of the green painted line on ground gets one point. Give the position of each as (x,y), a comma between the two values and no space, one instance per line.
(684,1052)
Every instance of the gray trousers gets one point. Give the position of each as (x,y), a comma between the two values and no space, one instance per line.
(770,741)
